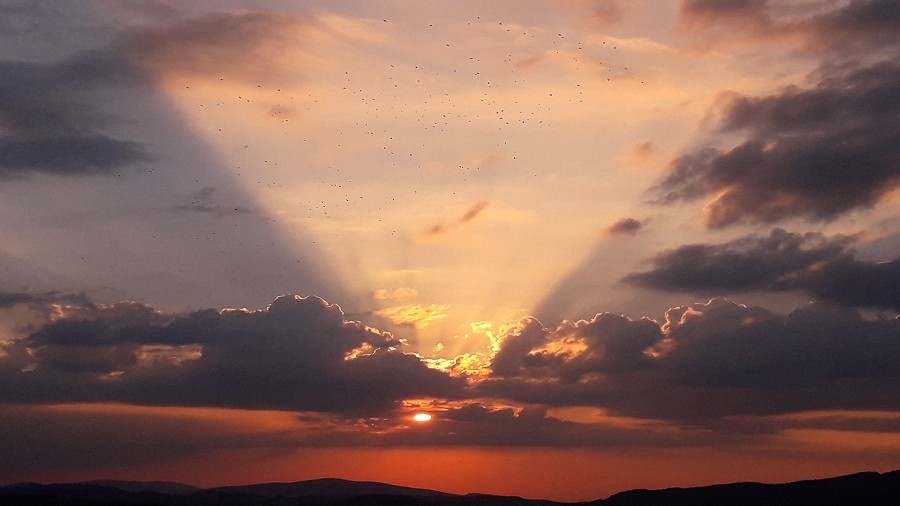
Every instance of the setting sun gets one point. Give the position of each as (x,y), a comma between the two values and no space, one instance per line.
(422,417)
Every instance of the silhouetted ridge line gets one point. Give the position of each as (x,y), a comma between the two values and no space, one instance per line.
(868,489)
(328,487)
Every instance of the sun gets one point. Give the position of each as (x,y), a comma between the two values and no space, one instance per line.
(422,417)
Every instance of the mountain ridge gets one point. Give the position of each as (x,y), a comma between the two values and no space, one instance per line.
(869,488)
(331,487)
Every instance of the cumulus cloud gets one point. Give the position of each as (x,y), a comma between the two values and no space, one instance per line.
(706,361)
(816,152)
(297,354)
(822,266)
(718,364)
(606,343)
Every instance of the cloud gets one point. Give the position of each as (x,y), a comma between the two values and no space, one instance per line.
(718,9)
(95,154)
(625,226)
(718,365)
(442,228)
(705,362)
(606,343)
(819,265)
(642,154)
(104,436)
(816,152)
(527,334)
(52,119)
(606,12)
(244,45)
(9,299)
(850,281)
(50,123)
(860,25)
(203,201)
(415,314)
(484,424)
(401,293)
(858,28)
(297,355)
(748,263)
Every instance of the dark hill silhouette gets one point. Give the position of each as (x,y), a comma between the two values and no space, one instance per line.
(163,487)
(328,487)
(869,489)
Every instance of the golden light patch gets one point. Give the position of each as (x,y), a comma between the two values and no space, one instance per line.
(422,417)
(417,315)
(401,293)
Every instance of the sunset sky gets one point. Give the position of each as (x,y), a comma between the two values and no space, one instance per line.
(605,244)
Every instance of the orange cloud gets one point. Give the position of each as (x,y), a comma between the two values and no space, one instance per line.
(416,315)
(402,293)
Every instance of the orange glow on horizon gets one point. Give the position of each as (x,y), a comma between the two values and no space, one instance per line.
(556,474)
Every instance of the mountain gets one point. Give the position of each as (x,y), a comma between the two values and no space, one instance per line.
(328,487)
(163,487)
(325,492)
(869,489)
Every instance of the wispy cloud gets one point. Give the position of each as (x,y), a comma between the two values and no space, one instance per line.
(443,228)
(402,293)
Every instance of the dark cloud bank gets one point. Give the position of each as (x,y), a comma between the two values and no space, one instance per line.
(706,361)
(824,267)
(290,356)
(51,124)
(714,374)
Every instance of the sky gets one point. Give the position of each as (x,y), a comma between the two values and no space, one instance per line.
(604,244)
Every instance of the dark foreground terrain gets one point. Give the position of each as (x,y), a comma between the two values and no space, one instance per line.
(864,489)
